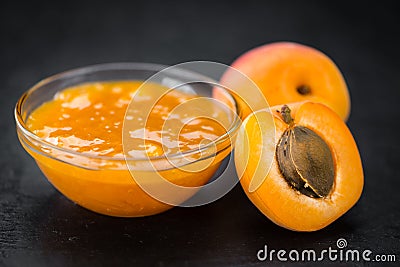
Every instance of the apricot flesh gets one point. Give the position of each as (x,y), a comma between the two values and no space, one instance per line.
(275,197)
(289,72)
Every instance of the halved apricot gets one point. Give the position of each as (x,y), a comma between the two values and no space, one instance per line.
(310,171)
(290,72)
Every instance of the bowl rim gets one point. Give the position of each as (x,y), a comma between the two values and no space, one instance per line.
(21,125)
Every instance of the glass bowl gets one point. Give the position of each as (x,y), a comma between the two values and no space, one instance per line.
(106,184)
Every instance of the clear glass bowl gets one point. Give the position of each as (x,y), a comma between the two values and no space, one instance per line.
(105,184)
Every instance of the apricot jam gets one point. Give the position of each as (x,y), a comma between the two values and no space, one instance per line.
(88,120)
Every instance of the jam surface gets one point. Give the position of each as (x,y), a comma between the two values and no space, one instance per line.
(89,118)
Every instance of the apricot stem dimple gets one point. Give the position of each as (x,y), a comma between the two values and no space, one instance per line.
(303,89)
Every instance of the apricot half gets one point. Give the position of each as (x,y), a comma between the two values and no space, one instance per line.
(310,170)
(289,72)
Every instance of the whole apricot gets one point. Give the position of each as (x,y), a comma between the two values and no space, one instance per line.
(290,72)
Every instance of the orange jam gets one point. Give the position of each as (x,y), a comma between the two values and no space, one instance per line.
(91,119)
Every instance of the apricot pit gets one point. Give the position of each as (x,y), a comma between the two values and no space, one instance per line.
(305,159)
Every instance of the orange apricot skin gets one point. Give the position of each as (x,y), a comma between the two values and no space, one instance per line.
(278,69)
(274,197)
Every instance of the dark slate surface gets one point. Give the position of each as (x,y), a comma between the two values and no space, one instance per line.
(38,226)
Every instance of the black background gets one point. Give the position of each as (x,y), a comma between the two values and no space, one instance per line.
(38,226)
